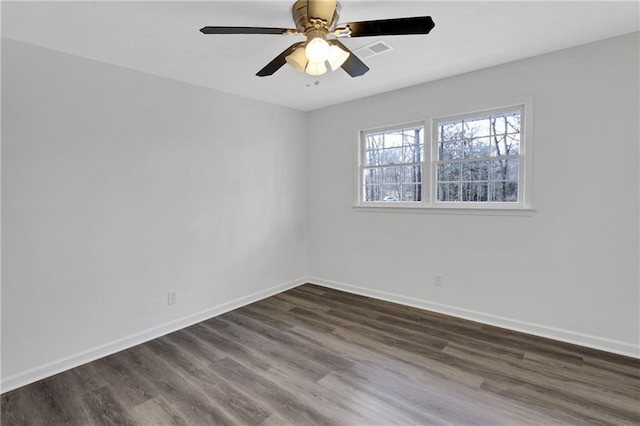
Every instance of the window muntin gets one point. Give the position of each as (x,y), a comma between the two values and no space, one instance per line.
(392,165)
(478,158)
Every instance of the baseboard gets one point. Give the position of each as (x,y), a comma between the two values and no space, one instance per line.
(568,336)
(63,364)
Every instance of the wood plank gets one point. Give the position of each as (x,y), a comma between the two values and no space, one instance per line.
(105,409)
(156,411)
(277,397)
(302,348)
(185,389)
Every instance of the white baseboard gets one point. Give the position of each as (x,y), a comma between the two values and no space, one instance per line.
(66,363)
(568,336)
(46,370)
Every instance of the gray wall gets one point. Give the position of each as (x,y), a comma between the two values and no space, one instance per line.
(569,270)
(117,187)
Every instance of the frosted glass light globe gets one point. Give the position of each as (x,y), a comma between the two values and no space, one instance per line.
(337,57)
(297,59)
(315,68)
(317,50)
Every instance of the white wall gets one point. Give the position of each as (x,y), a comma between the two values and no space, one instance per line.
(569,270)
(118,186)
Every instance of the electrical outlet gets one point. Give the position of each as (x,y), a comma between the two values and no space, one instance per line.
(172,298)
(438,280)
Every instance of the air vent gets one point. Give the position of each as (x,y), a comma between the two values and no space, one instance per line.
(373,49)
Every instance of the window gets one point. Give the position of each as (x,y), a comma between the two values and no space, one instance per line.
(393,165)
(475,160)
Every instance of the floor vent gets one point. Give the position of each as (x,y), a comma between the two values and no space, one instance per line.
(373,49)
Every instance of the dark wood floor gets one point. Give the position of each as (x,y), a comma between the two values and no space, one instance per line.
(313,355)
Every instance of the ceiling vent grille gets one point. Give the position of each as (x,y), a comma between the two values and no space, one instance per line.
(373,49)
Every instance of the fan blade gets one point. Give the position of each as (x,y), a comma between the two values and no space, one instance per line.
(278,61)
(385,27)
(246,30)
(353,65)
(321,9)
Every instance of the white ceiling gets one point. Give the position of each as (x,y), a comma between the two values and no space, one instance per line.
(162,38)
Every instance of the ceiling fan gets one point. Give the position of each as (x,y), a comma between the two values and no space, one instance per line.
(317,20)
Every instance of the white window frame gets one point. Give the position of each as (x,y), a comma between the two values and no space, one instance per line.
(430,158)
(361,166)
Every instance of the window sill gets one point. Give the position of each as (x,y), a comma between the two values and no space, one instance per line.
(450,210)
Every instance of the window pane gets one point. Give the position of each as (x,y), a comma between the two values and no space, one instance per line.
(412,154)
(475,191)
(508,122)
(505,169)
(506,192)
(450,131)
(512,144)
(374,141)
(448,192)
(390,192)
(477,147)
(392,156)
(393,139)
(402,183)
(411,192)
(477,127)
(450,150)
(499,124)
(449,172)
(475,170)
(503,145)
(392,175)
(399,146)
(370,193)
(506,133)
(372,176)
(382,192)
(412,174)
(372,158)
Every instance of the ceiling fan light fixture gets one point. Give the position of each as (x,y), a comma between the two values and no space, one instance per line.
(337,57)
(297,60)
(317,50)
(315,68)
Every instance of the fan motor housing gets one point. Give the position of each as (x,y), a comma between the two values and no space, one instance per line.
(301,18)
